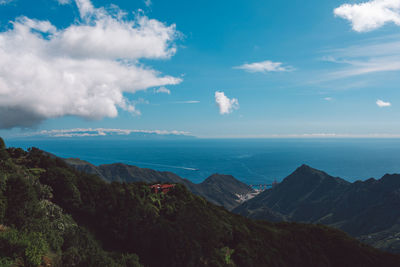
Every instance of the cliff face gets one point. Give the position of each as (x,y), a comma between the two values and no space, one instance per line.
(361,208)
(222,190)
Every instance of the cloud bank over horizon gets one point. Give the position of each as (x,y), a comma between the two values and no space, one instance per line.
(92,132)
(46,72)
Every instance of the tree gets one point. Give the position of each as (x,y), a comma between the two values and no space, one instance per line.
(2,144)
(21,201)
(3,152)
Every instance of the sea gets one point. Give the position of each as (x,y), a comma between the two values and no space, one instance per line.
(253,161)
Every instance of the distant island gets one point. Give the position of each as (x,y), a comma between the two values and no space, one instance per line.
(107,134)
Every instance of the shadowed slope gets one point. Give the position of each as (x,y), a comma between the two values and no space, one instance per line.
(219,189)
(310,195)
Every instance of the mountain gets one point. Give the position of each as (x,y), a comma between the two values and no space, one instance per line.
(222,190)
(54,215)
(106,134)
(369,210)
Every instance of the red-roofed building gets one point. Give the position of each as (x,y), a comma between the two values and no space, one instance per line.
(163,188)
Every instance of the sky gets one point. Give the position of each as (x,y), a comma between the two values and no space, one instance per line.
(208,68)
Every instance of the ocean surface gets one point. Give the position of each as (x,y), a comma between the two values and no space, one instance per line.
(253,161)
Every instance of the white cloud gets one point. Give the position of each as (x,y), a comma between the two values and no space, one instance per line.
(328,98)
(139,38)
(371,65)
(162,90)
(47,72)
(382,103)
(86,8)
(5,2)
(64,2)
(370,15)
(372,56)
(264,66)
(187,102)
(148,3)
(84,132)
(225,104)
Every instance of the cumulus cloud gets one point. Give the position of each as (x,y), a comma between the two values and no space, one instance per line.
(5,2)
(382,103)
(85,132)
(225,104)
(370,15)
(85,7)
(83,70)
(162,90)
(264,66)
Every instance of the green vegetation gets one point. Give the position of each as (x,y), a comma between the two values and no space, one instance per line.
(34,230)
(52,214)
(29,248)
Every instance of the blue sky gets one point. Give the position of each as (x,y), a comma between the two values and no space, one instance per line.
(225,68)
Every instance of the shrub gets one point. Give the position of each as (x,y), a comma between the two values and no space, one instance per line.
(26,247)
(3,152)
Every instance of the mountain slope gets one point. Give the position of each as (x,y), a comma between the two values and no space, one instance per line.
(173,229)
(312,196)
(219,189)
(34,230)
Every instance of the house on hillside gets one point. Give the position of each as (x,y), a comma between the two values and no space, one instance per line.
(162,188)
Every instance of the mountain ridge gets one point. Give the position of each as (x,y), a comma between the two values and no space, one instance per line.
(307,195)
(54,215)
(220,189)
(361,208)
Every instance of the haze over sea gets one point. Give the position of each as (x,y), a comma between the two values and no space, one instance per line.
(250,160)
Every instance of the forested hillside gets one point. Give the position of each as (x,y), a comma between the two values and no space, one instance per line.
(54,215)
(219,189)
